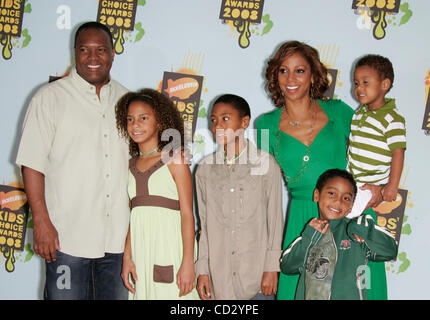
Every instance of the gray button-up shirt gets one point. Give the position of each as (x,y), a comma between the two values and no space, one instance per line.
(240,210)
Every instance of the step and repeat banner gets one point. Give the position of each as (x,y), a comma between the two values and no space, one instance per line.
(195,50)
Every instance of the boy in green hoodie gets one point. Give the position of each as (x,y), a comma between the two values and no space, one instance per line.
(332,252)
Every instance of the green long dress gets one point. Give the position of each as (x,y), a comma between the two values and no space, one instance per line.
(328,150)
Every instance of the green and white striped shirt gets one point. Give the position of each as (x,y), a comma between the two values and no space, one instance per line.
(374,135)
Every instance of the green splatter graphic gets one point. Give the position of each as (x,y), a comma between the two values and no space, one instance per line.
(29,251)
(202,113)
(27,8)
(268,22)
(400,265)
(405,262)
(30,224)
(200,144)
(406,229)
(140,31)
(404,7)
(27,38)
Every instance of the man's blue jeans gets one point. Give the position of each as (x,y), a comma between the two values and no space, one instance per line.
(74,278)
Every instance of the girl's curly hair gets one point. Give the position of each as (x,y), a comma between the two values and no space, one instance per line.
(166,115)
(318,70)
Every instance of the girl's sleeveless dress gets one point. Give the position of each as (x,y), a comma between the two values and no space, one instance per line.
(155,233)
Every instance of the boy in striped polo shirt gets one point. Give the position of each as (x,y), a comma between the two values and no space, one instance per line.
(377,141)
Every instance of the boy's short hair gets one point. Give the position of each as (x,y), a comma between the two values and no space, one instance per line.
(334,173)
(380,64)
(236,102)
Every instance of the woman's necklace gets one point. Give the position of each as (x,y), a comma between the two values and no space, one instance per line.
(307,153)
(148,153)
(296,123)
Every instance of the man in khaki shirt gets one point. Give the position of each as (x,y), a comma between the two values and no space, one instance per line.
(74,167)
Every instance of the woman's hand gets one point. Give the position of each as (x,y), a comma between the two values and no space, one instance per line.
(376,195)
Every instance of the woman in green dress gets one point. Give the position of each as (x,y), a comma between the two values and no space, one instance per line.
(307,136)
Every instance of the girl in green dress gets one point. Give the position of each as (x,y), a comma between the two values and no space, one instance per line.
(307,135)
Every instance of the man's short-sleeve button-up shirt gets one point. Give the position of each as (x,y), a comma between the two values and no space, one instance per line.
(70,136)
